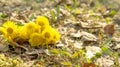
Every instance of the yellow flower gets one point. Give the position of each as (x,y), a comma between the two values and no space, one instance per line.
(42,21)
(22,33)
(50,35)
(30,28)
(10,30)
(36,39)
(3,31)
(55,38)
(38,33)
(56,35)
(8,23)
(47,34)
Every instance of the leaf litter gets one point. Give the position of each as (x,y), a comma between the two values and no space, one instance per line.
(84,27)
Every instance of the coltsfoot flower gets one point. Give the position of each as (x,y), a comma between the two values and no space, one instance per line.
(55,38)
(36,33)
(47,34)
(36,39)
(30,28)
(42,21)
(51,35)
(56,35)
(10,29)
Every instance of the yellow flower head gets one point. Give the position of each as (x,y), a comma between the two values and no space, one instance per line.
(11,29)
(30,28)
(55,38)
(36,39)
(47,34)
(51,35)
(42,21)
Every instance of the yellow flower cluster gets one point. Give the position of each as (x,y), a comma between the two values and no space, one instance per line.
(36,33)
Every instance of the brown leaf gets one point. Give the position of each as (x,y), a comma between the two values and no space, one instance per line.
(109,29)
(89,65)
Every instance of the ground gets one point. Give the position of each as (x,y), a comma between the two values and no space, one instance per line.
(90,33)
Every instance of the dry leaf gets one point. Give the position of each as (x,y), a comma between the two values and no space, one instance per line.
(4,48)
(89,65)
(88,36)
(117,46)
(109,29)
(92,50)
(105,62)
(78,45)
(76,34)
(60,45)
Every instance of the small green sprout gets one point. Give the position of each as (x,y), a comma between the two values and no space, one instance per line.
(3,15)
(53,15)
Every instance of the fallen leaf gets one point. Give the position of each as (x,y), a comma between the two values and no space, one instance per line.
(89,54)
(109,29)
(88,37)
(105,62)
(60,45)
(65,12)
(4,48)
(117,46)
(89,65)
(76,35)
(78,45)
(92,50)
